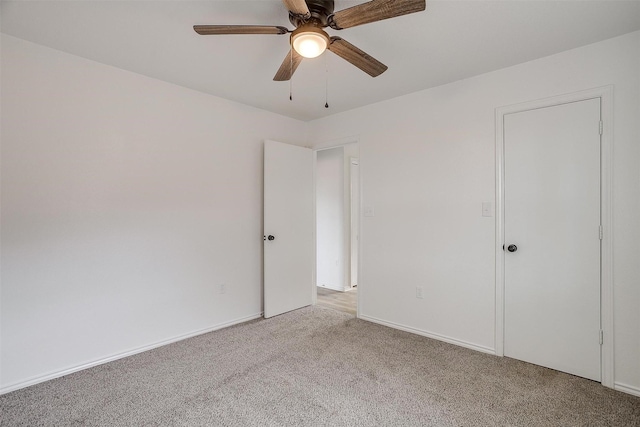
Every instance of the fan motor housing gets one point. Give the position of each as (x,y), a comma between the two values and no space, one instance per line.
(320,11)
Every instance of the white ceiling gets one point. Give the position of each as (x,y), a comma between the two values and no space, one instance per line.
(451,40)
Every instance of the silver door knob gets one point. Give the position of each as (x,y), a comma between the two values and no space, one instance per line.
(512,248)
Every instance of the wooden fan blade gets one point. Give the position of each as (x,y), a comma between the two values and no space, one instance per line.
(288,66)
(357,57)
(206,30)
(297,7)
(375,10)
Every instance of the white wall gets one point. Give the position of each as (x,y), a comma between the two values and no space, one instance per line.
(126,202)
(427,163)
(330,208)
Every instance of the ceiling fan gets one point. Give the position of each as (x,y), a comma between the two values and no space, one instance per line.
(309,40)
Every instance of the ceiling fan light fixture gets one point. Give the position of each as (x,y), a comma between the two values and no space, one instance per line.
(309,41)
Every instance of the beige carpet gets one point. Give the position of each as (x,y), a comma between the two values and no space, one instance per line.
(317,367)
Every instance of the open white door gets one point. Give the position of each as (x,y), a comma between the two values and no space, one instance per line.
(288,227)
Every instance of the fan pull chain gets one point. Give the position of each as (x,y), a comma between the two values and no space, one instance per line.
(326,82)
(291,70)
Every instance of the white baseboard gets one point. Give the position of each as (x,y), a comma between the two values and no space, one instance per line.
(627,389)
(51,375)
(334,288)
(428,334)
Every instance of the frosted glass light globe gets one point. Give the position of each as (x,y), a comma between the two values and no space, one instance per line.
(309,45)
(309,41)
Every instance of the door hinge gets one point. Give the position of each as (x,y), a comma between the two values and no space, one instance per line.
(601,233)
(601,337)
(601,126)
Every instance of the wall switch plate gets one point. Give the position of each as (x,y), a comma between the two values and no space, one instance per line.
(419,292)
(487,209)
(222,288)
(368,211)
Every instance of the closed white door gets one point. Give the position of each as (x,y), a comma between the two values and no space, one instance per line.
(288,227)
(552,237)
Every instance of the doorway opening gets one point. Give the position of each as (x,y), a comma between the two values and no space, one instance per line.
(337,201)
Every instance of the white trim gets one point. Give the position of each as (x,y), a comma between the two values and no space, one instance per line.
(627,389)
(605,94)
(606,244)
(431,335)
(335,288)
(499,252)
(56,374)
(354,213)
(360,236)
(335,143)
(314,264)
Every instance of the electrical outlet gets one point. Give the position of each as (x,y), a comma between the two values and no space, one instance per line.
(222,288)
(419,292)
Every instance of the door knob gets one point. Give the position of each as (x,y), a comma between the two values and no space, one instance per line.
(512,248)
(270,237)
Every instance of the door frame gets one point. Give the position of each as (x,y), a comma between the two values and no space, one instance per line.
(354,214)
(327,146)
(605,93)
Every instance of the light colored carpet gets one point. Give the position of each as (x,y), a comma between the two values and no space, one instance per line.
(317,367)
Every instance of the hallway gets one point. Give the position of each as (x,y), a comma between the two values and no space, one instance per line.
(346,302)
